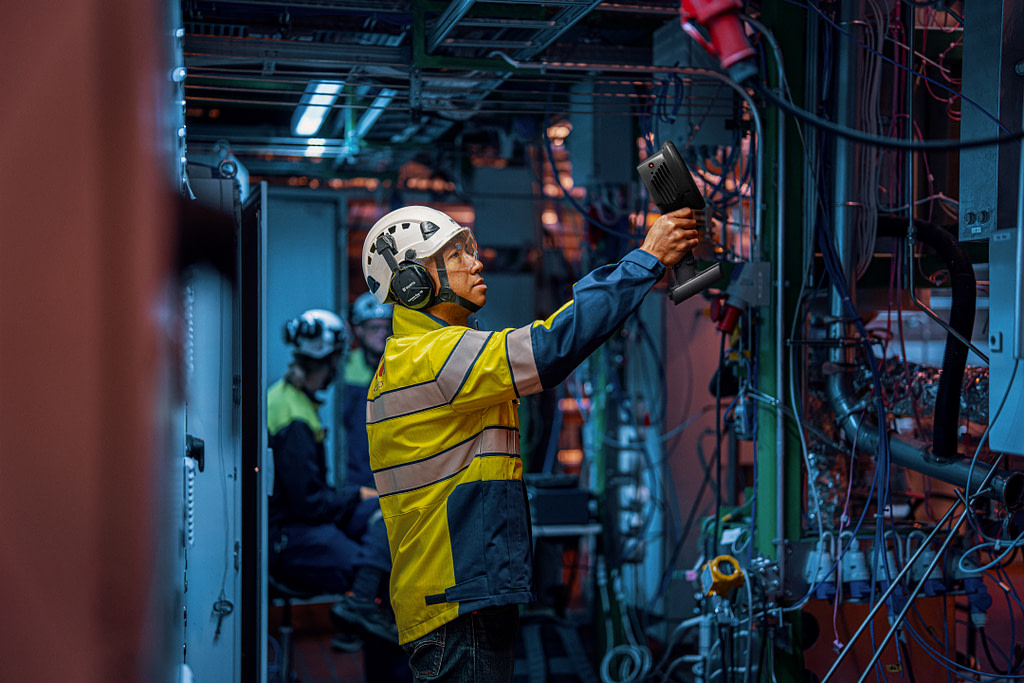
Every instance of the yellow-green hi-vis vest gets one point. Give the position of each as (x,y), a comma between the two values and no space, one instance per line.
(286,404)
(443,428)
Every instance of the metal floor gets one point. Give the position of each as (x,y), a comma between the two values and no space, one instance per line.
(314,660)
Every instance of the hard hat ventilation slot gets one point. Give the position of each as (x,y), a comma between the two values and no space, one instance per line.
(427,229)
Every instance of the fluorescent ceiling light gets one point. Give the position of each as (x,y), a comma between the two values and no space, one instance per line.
(377,107)
(313,108)
(316,147)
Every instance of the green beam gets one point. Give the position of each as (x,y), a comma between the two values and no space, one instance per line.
(421,59)
(788,26)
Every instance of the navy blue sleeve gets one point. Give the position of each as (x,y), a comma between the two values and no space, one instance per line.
(300,480)
(354,418)
(602,300)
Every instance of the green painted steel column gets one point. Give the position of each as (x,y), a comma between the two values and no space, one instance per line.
(787,23)
(781,510)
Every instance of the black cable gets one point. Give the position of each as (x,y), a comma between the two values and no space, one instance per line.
(718,445)
(906,658)
(689,519)
(1012,666)
(988,652)
(875,140)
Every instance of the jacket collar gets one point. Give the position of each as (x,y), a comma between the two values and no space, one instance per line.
(407,321)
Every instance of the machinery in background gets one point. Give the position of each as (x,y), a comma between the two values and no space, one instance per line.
(892,520)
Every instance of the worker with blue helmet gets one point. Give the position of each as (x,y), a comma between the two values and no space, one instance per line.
(370,321)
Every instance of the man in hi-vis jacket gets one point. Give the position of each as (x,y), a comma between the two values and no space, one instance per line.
(443,428)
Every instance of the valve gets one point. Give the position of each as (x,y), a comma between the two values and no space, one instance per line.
(885,569)
(853,568)
(978,598)
(932,585)
(819,571)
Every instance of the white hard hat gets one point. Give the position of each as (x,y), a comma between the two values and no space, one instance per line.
(316,333)
(401,238)
(366,307)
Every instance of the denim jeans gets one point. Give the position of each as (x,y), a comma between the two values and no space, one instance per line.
(475,647)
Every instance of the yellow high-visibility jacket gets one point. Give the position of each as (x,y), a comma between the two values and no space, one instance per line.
(443,427)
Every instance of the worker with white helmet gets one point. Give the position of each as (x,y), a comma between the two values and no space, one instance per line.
(444,428)
(322,539)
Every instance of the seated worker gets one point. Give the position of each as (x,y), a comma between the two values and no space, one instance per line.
(321,538)
(443,424)
(371,324)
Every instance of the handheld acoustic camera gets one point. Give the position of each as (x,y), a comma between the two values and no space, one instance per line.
(672,187)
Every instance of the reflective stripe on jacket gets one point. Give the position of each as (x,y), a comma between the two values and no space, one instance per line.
(443,424)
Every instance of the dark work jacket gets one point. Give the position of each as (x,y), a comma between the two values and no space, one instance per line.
(357,378)
(301,493)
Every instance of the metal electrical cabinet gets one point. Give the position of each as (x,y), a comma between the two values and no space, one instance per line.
(224,425)
(990,195)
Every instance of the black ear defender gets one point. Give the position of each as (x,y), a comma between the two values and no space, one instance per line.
(290,330)
(411,284)
(297,327)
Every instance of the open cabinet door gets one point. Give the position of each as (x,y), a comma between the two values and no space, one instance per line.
(256,460)
(225,441)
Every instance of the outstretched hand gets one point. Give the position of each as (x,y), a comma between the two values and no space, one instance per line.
(672,236)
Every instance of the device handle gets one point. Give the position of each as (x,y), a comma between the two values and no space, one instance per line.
(688,281)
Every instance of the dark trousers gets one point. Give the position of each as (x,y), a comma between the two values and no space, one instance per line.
(479,646)
(324,558)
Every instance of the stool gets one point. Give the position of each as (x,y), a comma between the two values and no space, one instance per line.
(279,591)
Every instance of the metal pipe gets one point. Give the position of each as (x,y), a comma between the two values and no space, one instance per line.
(841,355)
(1007,487)
(844,200)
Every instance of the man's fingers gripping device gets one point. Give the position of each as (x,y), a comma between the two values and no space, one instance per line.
(672,187)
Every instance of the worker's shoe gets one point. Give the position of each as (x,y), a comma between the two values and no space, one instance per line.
(368,615)
(346,641)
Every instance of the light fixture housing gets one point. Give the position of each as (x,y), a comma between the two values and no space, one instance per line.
(316,102)
(373,112)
